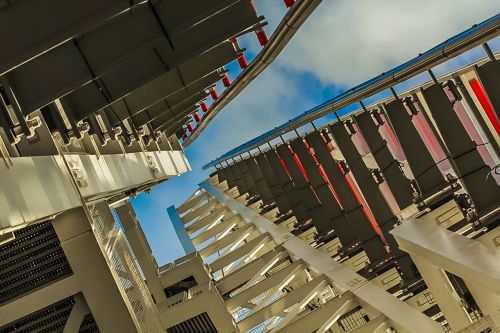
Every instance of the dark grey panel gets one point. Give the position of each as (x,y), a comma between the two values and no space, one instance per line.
(305,193)
(170,85)
(178,16)
(121,63)
(227,175)
(172,117)
(298,207)
(483,189)
(136,72)
(120,38)
(172,128)
(356,217)
(260,181)
(238,179)
(374,198)
(166,109)
(425,171)
(389,166)
(489,74)
(247,178)
(48,77)
(274,187)
(336,216)
(67,18)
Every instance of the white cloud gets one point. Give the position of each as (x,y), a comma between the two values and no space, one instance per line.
(346,42)
(268,101)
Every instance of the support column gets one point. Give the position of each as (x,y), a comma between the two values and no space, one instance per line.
(80,309)
(442,290)
(469,259)
(99,285)
(142,251)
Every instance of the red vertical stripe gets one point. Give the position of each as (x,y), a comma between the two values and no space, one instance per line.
(360,200)
(485,103)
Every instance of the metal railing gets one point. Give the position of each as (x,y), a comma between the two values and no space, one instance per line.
(185,296)
(468,39)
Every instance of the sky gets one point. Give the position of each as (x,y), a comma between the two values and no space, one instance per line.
(342,44)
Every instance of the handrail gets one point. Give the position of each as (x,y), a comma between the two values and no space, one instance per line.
(290,23)
(440,53)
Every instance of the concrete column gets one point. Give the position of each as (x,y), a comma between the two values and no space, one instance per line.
(443,293)
(80,309)
(472,260)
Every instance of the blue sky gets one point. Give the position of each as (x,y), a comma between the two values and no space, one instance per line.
(343,43)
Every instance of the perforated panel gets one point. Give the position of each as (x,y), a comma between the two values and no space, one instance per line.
(51,319)
(33,259)
(88,325)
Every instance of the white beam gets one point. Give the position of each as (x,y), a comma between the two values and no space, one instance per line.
(467,258)
(341,277)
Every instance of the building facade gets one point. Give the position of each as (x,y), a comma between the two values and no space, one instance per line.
(383,220)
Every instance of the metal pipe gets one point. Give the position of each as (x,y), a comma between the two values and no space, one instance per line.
(470,38)
(292,21)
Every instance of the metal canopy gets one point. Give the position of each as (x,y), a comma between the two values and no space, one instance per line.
(119,65)
(67,19)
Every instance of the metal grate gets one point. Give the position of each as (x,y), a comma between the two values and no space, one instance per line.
(124,264)
(197,324)
(119,226)
(33,259)
(135,288)
(103,222)
(51,319)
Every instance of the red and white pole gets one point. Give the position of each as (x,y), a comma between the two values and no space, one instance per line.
(214,94)
(261,36)
(204,106)
(196,117)
(225,81)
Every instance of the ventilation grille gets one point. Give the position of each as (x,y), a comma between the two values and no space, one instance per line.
(33,259)
(88,325)
(51,319)
(198,324)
